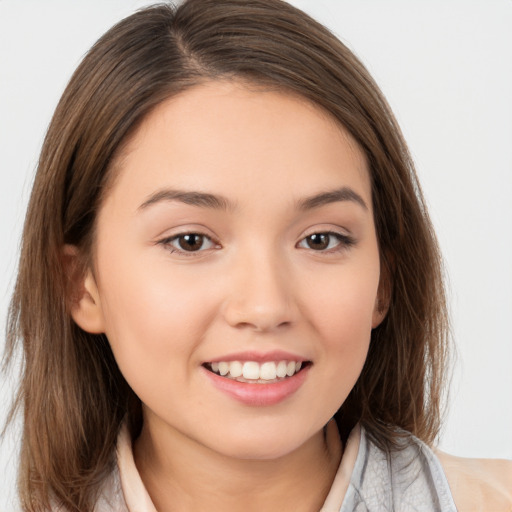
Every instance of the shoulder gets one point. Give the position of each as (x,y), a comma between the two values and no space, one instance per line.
(397,476)
(478,484)
(111,497)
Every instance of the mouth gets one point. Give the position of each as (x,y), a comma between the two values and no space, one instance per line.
(253,372)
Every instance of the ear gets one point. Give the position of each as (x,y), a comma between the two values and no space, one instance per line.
(82,292)
(383,298)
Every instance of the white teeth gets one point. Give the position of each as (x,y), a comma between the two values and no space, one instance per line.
(223,368)
(268,371)
(253,371)
(281,369)
(235,369)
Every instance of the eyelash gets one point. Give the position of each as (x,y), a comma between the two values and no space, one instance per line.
(167,243)
(345,242)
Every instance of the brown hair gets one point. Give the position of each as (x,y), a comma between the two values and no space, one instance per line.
(72,394)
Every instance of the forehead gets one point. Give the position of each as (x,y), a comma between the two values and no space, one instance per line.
(231,137)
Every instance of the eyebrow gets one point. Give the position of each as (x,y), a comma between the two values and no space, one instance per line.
(331,196)
(206,200)
(200,199)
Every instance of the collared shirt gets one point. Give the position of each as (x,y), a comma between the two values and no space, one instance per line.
(409,479)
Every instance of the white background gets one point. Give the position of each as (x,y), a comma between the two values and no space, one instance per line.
(445,67)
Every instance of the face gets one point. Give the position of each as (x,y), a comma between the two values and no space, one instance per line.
(237,237)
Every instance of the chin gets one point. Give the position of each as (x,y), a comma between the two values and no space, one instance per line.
(260,444)
(260,449)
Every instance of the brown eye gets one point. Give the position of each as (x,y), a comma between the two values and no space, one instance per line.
(318,241)
(188,243)
(328,242)
(191,242)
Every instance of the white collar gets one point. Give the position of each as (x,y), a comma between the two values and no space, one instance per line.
(137,498)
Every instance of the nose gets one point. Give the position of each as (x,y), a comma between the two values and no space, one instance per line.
(260,296)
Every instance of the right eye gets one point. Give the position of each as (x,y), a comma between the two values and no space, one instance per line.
(188,243)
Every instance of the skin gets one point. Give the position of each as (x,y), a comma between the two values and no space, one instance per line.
(258,285)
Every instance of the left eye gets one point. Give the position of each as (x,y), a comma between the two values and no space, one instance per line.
(189,242)
(324,241)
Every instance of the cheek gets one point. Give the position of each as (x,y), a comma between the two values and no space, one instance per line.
(342,321)
(153,319)
(343,307)
(343,316)
(346,331)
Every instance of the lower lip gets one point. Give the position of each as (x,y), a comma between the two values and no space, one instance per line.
(259,394)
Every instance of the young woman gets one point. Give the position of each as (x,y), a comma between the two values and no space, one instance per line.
(229,293)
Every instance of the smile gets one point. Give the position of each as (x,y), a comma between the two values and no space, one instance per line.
(255,373)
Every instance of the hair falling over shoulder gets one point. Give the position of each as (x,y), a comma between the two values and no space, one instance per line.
(72,396)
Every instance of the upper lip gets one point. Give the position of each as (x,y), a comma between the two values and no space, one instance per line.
(259,357)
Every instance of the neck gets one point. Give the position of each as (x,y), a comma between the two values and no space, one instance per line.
(181,475)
